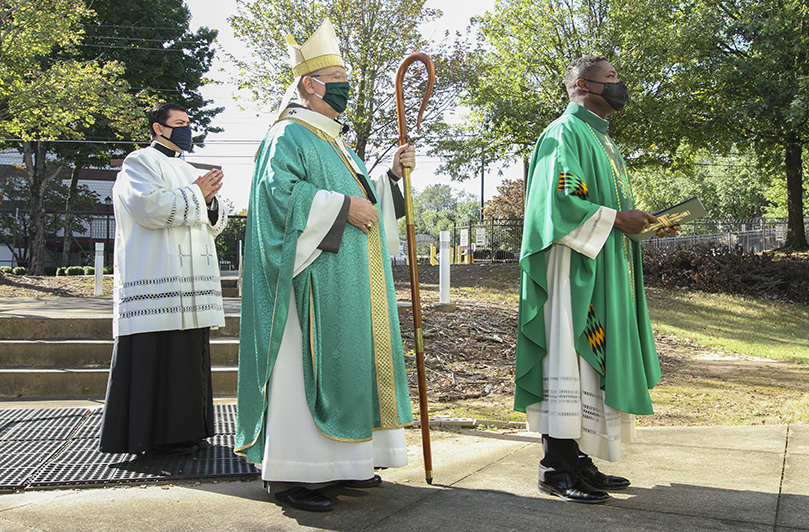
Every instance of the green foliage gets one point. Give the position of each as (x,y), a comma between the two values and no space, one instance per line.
(19,270)
(732,186)
(164,60)
(437,208)
(88,270)
(14,186)
(756,52)
(722,79)
(108,270)
(61,271)
(509,202)
(514,84)
(227,242)
(74,270)
(6,269)
(50,271)
(69,73)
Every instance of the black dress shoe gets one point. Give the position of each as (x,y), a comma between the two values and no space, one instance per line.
(201,444)
(572,488)
(597,479)
(372,482)
(304,499)
(173,449)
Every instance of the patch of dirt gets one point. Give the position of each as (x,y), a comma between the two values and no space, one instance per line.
(470,361)
(470,355)
(73,286)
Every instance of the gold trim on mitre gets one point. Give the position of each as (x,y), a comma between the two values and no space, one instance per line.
(321,50)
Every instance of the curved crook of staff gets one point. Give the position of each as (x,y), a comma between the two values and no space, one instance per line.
(411,250)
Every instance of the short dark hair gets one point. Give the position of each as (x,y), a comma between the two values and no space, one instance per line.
(160,113)
(582,67)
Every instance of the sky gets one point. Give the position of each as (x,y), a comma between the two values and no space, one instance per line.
(234,148)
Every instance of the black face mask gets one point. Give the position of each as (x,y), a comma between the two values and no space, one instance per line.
(616,94)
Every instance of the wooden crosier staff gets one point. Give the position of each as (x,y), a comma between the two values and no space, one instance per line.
(411,250)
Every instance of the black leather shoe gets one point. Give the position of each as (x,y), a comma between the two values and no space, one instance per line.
(372,482)
(304,499)
(173,449)
(201,444)
(572,488)
(597,479)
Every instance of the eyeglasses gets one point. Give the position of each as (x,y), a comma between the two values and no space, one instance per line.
(336,76)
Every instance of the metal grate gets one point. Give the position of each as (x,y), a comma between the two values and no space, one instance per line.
(50,448)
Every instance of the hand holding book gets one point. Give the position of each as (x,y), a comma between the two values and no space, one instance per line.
(670,217)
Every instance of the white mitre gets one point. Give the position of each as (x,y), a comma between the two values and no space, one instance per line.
(321,50)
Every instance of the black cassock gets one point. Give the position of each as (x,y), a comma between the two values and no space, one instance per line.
(159,391)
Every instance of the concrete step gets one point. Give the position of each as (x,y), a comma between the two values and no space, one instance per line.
(80,327)
(86,383)
(89,353)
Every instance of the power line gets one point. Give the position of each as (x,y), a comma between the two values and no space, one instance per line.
(138,27)
(107,46)
(140,39)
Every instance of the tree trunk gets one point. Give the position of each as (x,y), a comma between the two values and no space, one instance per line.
(34,154)
(67,244)
(796,234)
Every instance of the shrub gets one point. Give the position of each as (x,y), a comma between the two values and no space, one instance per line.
(61,271)
(50,270)
(19,270)
(107,270)
(89,270)
(74,270)
(6,269)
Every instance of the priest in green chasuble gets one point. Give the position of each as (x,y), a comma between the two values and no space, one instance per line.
(586,357)
(323,395)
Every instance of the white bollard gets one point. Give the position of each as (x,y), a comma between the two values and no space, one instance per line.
(99,269)
(443,282)
(239,282)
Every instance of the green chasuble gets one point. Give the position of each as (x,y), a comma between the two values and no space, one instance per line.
(575,169)
(354,374)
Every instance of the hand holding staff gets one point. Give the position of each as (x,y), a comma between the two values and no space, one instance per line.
(411,251)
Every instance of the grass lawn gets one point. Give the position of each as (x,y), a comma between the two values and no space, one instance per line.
(756,327)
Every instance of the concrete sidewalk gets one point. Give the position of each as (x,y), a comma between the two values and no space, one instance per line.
(683,479)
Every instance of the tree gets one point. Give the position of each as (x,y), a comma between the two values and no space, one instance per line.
(227,242)
(56,87)
(760,58)
(15,189)
(732,186)
(438,207)
(514,84)
(43,97)
(164,61)
(716,76)
(375,36)
(509,202)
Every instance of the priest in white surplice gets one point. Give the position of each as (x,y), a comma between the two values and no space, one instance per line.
(166,296)
(323,393)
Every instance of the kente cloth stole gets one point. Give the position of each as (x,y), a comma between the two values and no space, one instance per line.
(380,317)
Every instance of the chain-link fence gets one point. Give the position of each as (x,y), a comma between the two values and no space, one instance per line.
(500,240)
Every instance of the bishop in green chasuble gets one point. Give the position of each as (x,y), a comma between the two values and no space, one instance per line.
(577,175)
(353,364)
(323,395)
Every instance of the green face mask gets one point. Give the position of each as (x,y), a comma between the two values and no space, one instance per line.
(337,93)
